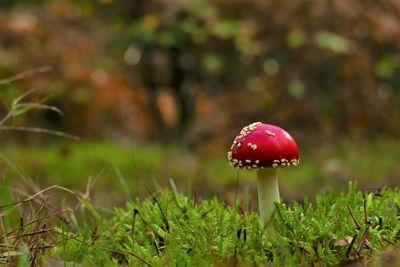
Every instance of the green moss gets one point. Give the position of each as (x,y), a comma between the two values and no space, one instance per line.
(173,230)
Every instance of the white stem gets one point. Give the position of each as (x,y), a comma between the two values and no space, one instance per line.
(268,192)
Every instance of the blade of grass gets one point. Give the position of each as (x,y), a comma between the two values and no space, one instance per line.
(39,130)
(26,73)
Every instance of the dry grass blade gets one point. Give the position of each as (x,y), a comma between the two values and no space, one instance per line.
(33,105)
(38,198)
(20,172)
(26,73)
(35,236)
(32,222)
(18,108)
(14,204)
(30,233)
(39,130)
(82,198)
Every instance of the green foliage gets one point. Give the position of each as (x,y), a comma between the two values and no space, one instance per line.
(295,38)
(387,66)
(332,42)
(172,229)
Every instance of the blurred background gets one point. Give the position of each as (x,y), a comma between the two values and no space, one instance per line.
(157,91)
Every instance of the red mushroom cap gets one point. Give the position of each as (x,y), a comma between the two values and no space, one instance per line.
(261,145)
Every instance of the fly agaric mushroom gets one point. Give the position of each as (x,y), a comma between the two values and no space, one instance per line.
(264,147)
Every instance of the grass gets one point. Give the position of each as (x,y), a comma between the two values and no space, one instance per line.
(172,229)
(117,166)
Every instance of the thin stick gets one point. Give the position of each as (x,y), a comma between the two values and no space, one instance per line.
(31,233)
(351,246)
(354,218)
(363,239)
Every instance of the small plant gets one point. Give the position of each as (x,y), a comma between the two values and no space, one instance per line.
(19,106)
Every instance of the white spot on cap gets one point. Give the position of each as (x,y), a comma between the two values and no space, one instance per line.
(270,133)
(295,162)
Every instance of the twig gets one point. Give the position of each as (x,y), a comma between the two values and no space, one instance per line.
(363,239)
(354,218)
(351,245)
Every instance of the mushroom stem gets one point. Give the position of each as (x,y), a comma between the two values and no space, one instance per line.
(268,192)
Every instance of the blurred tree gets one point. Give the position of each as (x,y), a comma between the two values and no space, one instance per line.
(196,68)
